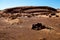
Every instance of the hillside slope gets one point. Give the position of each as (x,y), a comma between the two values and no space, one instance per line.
(14,27)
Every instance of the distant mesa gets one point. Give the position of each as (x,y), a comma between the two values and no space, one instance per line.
(31,9)
(28,11)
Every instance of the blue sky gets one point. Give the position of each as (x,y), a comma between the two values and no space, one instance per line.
(15,3)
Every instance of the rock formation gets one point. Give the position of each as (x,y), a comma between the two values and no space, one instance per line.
(28,11)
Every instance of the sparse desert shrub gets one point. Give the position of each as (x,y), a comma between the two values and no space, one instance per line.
(57,15)
(40,26)
(29,16)
(53,14)
(32,14)
(18,15)
(13,16)
(2,15)
(50,16)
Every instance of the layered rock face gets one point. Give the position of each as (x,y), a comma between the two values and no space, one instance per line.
(29,11)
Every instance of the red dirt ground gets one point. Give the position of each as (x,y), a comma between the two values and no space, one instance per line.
(23,31)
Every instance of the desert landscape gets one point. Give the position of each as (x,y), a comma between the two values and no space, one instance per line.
(30,23)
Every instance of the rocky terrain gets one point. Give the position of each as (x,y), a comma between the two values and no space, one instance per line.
(29,24)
